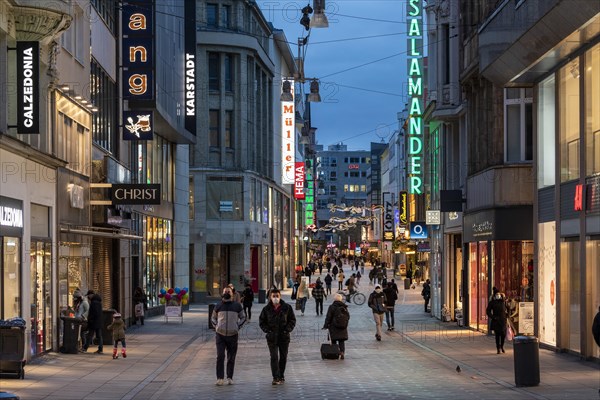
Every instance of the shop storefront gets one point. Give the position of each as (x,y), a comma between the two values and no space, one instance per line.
(500,254)
(11,238)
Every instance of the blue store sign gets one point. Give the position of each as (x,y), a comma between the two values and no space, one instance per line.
(418,230)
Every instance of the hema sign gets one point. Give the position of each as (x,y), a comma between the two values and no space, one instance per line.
(28,87)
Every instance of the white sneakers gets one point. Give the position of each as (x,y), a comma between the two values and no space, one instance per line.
(221,382)
(229,381)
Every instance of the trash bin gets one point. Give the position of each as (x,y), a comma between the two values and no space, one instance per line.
(12,350)
(262,296)
(107,338)
(211,307)
(406,284)
(527,361)
(71,327)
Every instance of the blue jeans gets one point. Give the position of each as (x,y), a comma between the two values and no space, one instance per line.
(303,304)
(229,343)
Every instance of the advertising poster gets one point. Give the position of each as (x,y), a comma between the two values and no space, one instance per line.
(547,283)
(526,317)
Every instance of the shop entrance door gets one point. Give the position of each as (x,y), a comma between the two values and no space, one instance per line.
(41,295)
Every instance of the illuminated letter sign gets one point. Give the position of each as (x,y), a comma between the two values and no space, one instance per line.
(28,87)
(288,140)
(299,181)
(136,194)
(388,216)
(11,216)
(404,207)
(415,91)
(309,201)
(189,67)
(578,205)
(138,50)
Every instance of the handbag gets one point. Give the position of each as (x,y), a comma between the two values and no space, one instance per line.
(509,334)
(139,310)
(298,304)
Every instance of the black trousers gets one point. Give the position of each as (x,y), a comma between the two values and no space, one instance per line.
(341,345)
(278,352)
(500,335)
(426,303)
(389,315)
(229,343)
(319,303)
(248,311)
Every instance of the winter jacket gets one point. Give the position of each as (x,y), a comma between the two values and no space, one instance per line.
(302,291)
(140,297)
(496,310)
(95,313)
(248,297)
(391,296)
(328,279)
(318,292)
(82,310)
(426,292)
(277,324)
(335,269)
(377,302)
(334,309)
(118,329)
(228,317)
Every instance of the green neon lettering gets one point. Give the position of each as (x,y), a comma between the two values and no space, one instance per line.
(416,10)
(415,29)
(415,106)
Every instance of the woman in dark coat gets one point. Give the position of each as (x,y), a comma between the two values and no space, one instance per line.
(336,322)
(496,310)
(139,297)
(94,322)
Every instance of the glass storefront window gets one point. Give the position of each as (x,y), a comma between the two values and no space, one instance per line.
(570,287)
(157,272)
(11,278)
(546,133)
(569,121)
(224,198)
(592,110)
(593,265)
(41,296)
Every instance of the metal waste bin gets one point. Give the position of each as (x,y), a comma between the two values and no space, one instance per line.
(12,350)
(211,307)
(406,284)
(107,336)
(527,361)
(71,328)
(262,296)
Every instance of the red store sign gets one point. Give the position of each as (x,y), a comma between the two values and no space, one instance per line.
(299,177)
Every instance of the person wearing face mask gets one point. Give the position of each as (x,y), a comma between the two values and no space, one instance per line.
(496,311)
(277,320)
(377,302)
(227,317)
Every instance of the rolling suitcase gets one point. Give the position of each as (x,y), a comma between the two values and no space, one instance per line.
(330,351)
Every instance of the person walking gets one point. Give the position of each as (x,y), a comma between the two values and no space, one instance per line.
(140,301)
(358,276)
(426,293)
(277,320)
(118,333)
(227,318)
(94,322)
(391,296)
(318,294)
(320,264)
(235,295)
(248,301)
(377,303)
(596,328)
(82,310)
(340,279)
(328,280)
(496,311)
(308,273)
(335,271)
(302,295)
(336,322)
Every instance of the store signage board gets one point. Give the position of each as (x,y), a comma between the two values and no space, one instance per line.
(526,317)
(309,199)
(189,67)
(433,217)
(414,14)
(136,194)
(139,125)
(404,208)
(138,50)
(288,139)
(418,230)
(28,87)
(299,177)
(11,217)
(388,216)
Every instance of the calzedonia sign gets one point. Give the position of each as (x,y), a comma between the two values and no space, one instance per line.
(28,87)
(414,19)
(136,194)
(11,217)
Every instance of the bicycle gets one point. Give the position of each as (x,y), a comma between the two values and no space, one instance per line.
(356,297)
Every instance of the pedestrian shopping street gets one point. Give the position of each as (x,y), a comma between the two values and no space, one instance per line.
(418,360)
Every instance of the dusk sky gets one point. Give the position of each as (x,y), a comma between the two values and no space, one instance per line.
(358,106)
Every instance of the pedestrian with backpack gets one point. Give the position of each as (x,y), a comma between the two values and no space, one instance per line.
(336,322)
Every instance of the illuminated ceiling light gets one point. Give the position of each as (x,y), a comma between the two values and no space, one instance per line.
(319,19)
(78,97)
(95,109)
(84,101)
(89,105)
(286,91)
(65,88)
(314,96)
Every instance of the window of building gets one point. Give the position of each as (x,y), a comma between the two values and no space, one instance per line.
(334,162)
(518,124)
(332,175)
(191,198)
(363,188)
(73,143)
(72,39)
(211,15)
(363,174)
(546,133)
(333,190)
(103,92)
(229,129)
(213,71)
(213,129)
(354,174)
(224,198)
(346,160)
(10,267)
(228,73)
(569,121)
(226,17)
(592,110)
(106,10)
(346,174)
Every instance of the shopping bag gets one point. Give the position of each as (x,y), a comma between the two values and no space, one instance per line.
(509,333)
(139,310)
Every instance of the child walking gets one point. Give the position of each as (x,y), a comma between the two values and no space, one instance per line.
(118,330)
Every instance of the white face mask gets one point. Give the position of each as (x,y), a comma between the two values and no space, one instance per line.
(275,300)
(378,290)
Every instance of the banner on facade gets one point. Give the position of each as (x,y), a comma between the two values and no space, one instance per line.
(28,87)
(288,139)
(138,50)
(388,216)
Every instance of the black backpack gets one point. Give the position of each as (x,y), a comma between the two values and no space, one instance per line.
(341,318)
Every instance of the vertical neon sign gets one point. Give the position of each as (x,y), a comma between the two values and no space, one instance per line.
(415,92)
(288,140)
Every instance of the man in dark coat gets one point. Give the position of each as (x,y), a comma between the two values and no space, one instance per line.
(496,310)
(337,322)
(277,320)
(596,327)
(377,302)
(426,293)
(391,296)
(94,321)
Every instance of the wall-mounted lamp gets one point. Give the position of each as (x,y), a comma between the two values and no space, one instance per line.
(314,96)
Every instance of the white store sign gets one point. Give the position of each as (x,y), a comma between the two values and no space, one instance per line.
(288,140)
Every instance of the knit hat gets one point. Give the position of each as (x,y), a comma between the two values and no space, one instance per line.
(116,315)
(77,294)
(89,292)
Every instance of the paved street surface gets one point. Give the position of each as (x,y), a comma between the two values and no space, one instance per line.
(417,361)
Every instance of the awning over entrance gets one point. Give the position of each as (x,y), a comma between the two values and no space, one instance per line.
(99,232)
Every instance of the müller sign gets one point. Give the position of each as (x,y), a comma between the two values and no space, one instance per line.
(28,87)
(136,194)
